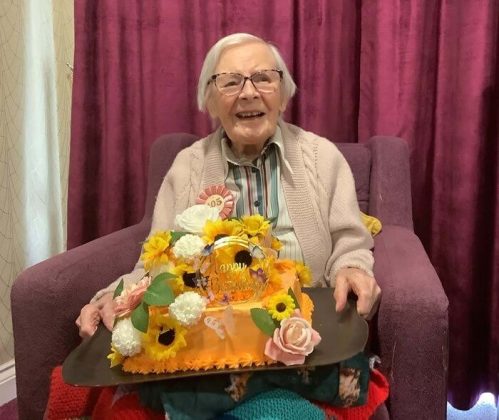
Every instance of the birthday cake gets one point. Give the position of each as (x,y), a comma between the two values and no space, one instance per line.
(215,296)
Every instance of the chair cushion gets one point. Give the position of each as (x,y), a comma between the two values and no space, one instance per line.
(358,157)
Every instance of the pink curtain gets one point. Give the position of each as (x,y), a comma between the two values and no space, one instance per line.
(426,71)
(429,74)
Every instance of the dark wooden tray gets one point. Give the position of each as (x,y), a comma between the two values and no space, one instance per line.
(343,335)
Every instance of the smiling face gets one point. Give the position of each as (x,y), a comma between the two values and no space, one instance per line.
(250,117)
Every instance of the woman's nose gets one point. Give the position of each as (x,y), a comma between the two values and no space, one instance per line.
(249,90)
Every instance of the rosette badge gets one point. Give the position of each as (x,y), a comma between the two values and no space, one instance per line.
(218,197)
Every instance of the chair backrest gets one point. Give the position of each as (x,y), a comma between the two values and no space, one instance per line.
(161,155)
(380,168)
(358,156)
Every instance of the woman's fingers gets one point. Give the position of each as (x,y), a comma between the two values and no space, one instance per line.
(364,286)
(107,314)
(88,320)
(375,306)
(341,292)
(93,313)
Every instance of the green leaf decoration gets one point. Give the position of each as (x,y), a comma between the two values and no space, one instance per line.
(176,236)
(118,289)
(292,294)
(140,317)
(163,276)
(159,293)
(263,320)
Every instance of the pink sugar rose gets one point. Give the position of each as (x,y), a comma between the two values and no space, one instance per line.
(130,298)
(294,340)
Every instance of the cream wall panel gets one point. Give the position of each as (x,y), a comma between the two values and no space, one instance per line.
(36,55)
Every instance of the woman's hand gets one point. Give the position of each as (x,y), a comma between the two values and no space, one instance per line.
(364,286)
(93,313)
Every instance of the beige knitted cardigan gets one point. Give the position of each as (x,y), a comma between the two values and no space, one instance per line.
(318,187)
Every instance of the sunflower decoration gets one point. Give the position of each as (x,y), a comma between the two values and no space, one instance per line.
(216,229)
(276,244)
(115,357)
(164,338)
(185,277)
(177,284)
(234,252)
(255,225)
(280,306)
(155,251)
(304,274)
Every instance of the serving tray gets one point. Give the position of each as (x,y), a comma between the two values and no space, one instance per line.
(343,335)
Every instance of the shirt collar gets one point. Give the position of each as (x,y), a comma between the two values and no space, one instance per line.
(276,139)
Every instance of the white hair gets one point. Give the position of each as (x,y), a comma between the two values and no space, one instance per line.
(211,61)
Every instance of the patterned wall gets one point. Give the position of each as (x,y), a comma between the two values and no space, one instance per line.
(17,41)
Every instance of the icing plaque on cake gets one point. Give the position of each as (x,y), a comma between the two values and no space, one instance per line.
(236,270)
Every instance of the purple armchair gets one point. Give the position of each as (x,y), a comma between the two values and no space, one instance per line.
(410,332)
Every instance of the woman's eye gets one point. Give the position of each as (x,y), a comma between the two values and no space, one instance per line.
(230,83)
(261,78)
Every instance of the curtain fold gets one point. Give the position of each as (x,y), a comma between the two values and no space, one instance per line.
(429,75)
(422,70)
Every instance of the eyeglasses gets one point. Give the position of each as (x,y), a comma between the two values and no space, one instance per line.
(265,81)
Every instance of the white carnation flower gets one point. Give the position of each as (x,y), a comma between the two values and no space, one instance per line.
(188,246)
(125,338)
(187,308)
(194,218)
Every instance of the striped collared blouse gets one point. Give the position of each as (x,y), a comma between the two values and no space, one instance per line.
(257,190)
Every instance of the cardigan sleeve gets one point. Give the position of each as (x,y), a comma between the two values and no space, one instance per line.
(351,241)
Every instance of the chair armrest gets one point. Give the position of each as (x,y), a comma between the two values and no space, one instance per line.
(47,298)
(412,326)
(390,185)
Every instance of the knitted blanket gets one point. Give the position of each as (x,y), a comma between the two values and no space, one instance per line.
(70,402)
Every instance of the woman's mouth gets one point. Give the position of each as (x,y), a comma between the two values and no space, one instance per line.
(249,115)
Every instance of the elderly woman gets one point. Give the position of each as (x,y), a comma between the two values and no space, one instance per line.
(291,176)
(272,168)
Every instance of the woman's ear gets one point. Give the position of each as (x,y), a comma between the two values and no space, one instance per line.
(284,104)
(210,107)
